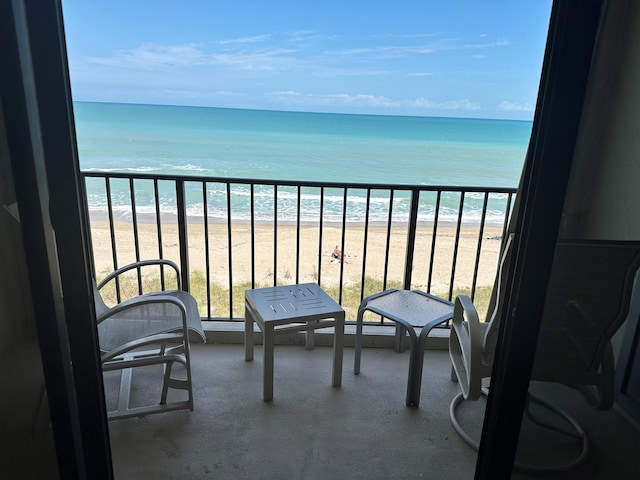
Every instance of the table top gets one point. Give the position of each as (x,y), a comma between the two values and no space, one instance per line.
(410,307)
(299,302)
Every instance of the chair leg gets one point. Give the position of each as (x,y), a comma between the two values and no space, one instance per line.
(165,383)
(577,433)
(457,400)
(123,410)
(358,343)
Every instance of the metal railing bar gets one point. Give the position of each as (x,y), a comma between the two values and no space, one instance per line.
(485,204)
(364,246)
(156,201)
(183,241)
(388,241)
(230,250)
(507,215)
(343,257)
(320,229)
(456,245)
(136,240)
(275,235)
(505,226)
(298,235)
(112,231)
(434,235)
(207,268)
(411,239)
(253,235)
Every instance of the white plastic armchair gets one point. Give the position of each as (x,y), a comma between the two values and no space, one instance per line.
(588,299)
(148,329)
(466,348)
(472,342)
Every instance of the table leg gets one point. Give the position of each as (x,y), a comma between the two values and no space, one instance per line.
(398,341)
(248,334)
(338,348)
(415,371)
(358,345)
(309,339)
(267,347)
(415,377)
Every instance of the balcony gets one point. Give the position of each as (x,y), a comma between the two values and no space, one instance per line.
(232,234)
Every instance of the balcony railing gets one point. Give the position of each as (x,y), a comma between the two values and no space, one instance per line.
(229,234)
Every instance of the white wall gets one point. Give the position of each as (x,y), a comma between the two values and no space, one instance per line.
(603,201)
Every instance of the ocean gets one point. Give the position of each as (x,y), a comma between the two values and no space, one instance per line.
(259,144)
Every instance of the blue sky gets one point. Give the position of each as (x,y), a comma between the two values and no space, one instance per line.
(454,58)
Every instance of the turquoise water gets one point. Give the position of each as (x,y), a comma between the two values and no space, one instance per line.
(293,146)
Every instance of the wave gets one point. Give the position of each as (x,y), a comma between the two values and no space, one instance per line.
(189,167)
(123,169)
(350,216)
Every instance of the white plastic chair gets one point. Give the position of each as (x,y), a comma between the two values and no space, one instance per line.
(588,299)
(148,329)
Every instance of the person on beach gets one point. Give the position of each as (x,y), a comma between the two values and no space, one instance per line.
(337,255)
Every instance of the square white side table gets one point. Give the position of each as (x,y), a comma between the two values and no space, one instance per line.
(293,308)
(408,309)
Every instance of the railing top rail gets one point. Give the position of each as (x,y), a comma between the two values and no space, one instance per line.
(296,183)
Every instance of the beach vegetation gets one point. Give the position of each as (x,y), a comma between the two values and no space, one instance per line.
(220,295)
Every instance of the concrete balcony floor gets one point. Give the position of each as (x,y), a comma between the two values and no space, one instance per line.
(361,430)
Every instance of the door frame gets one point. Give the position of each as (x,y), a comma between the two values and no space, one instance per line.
(573,30)
(42,146)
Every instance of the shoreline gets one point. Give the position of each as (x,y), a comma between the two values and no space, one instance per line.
(172,219)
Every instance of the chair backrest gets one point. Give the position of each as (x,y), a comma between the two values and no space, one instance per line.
(587,301)
(493,316)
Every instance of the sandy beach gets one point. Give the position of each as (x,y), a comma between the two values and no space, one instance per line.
(313,261)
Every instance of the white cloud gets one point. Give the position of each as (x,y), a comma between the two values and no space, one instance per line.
(150,55)
(243,40)
(369,101)
(307,36)
(508,106)
(285,93)
(275,53)
(383,52)
(462,104)
(245,69)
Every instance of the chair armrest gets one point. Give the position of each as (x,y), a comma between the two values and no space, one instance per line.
(142,263)
(144,300)
(465,347)
(110,345)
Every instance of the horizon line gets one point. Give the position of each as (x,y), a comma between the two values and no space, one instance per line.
(300,111)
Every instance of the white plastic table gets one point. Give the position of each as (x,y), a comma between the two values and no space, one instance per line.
(294,308)
(408,309)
